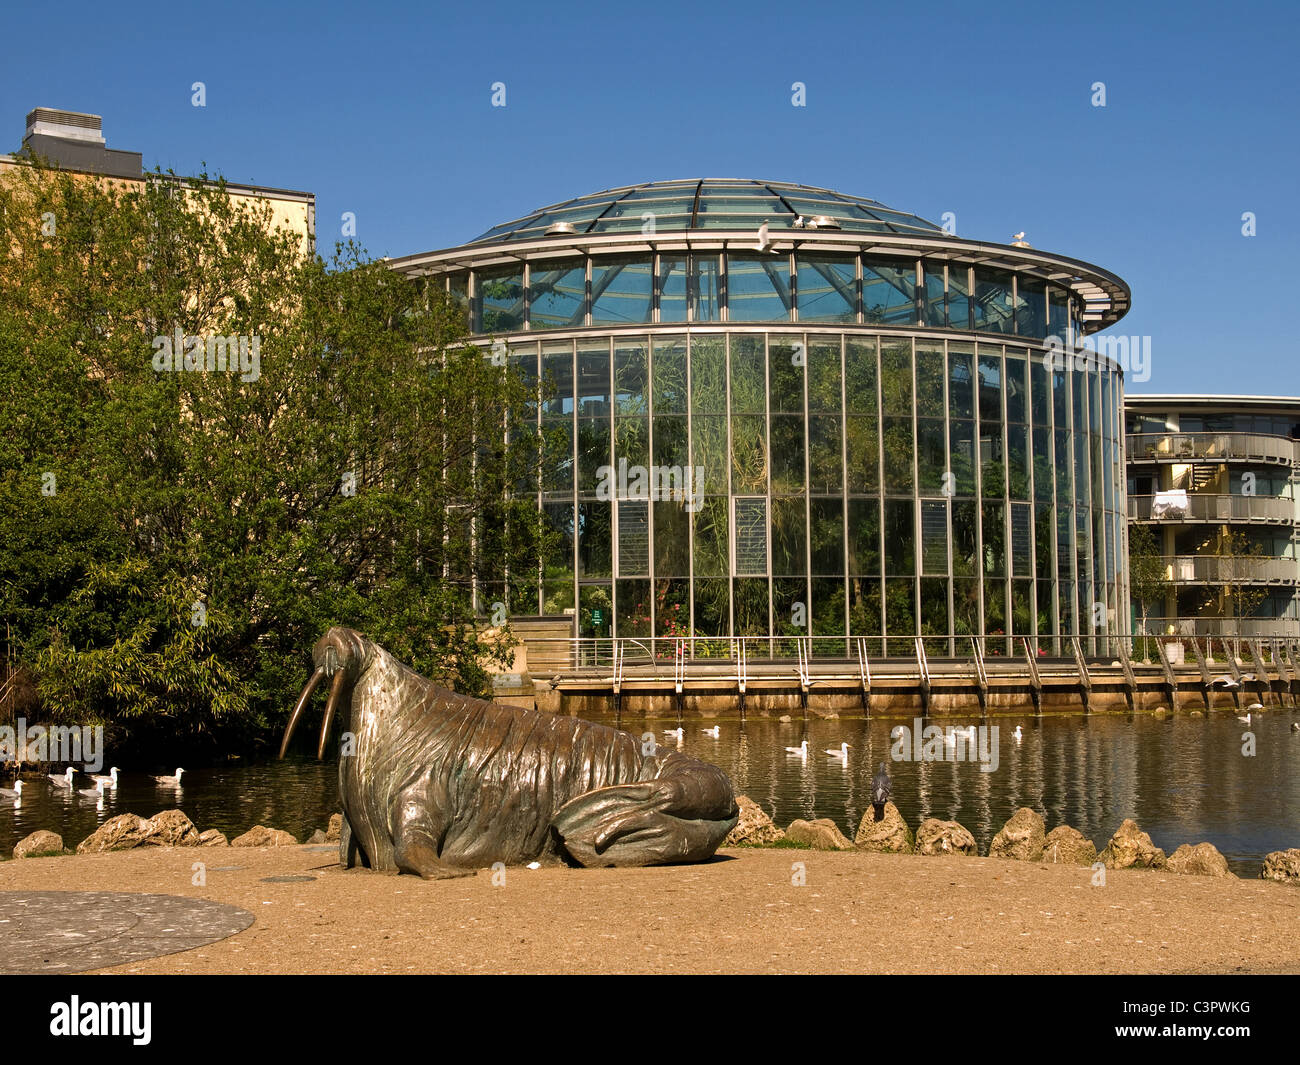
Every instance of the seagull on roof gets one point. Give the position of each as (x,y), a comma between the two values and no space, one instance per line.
(881,789)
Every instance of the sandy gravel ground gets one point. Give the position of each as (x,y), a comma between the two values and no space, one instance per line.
(738,914)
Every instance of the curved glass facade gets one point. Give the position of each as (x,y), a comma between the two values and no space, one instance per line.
(857,434)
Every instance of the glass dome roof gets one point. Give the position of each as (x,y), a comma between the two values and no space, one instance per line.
(711,203)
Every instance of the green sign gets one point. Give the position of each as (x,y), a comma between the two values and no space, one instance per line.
(597,618)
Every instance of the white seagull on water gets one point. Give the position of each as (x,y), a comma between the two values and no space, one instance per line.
(62,780)
(842,755)
(677,732)
(97,792)
(16,792)
(170,780)
(801,751)
(109,781)
(715,732)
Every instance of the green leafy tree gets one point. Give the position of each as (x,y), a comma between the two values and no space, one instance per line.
(1148,574)
(173,541)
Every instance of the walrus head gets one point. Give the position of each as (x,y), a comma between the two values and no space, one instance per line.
(342,654)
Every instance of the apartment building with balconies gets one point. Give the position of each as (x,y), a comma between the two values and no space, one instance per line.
(1215,479)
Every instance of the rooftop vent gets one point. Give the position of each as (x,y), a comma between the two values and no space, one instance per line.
(69,125)
(1018,241)
(823,221)
(559,229)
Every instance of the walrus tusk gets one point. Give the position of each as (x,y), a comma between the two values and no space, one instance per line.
(335,689)
(299,708)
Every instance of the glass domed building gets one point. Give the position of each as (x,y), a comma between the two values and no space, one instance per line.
(779,410)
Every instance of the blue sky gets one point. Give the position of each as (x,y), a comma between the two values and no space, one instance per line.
(384,110)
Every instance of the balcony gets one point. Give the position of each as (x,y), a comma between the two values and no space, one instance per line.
(1234,569)
(1210,447)
(1220,509)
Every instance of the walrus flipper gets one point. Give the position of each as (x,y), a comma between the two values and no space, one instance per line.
(417,834)
(681,815)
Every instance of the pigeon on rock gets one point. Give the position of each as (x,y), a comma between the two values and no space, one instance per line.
(881,788)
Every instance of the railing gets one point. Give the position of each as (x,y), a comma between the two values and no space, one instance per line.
(1232,569)
(1218,447)
(1208,507)
(860,660)
(1241,628)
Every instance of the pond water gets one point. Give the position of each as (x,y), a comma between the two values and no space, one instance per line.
(1183,778)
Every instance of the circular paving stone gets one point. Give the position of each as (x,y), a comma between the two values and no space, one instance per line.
(72,931)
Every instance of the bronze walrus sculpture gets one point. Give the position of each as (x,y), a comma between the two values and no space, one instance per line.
(440,784)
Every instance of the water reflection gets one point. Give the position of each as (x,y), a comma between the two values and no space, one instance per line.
(1183,778)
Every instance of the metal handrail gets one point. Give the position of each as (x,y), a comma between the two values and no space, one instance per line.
(1205,506)
(1215,446)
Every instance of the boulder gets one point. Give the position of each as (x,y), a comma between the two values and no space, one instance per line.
(1021,838)
(1068,846)
(210,837)
(171,828)
(1203,859)
(316,837)
(1131,848)
(38,843)
(119,833)
(754,826)
(1282,865)
(943,837)
(822,834)
(259,836)
(335,829)
(889,835)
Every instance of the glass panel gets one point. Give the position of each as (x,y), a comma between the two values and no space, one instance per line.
(1031,306)
(672,543)
(965,553)
(993,307)
(929,379)
(458,289)
(499,300)
(709,454)
(825,460)
(865,609)
(931,456)
(824,375)
(934,612)
(632,454)
(787,356)
(961,378)
(900,538)
(751,539)
(995,538)
(748,453)
(672,607)
(708,375)
(1057,314)
(670,375)
(828,606)
(672,289)
(594,460)
(959,301)
(864,537)
(961,457)
(621,291)
(860,377)
(593,378)
(828,288)
(595,542)
(899,455)
(631,396)
(712,612)
(936,310)
(1018,461)
(787,454)
(752,601)
(900,616)
(1017,387)
(758,288)
(789,537)
(826,534)
(889,291)
(712,546)
(790,607)
(704,288)
(557,294)
(557,456)
(669,448)
(748,374)
(633,608)
(896,377)
(863,453)
(1021,549)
